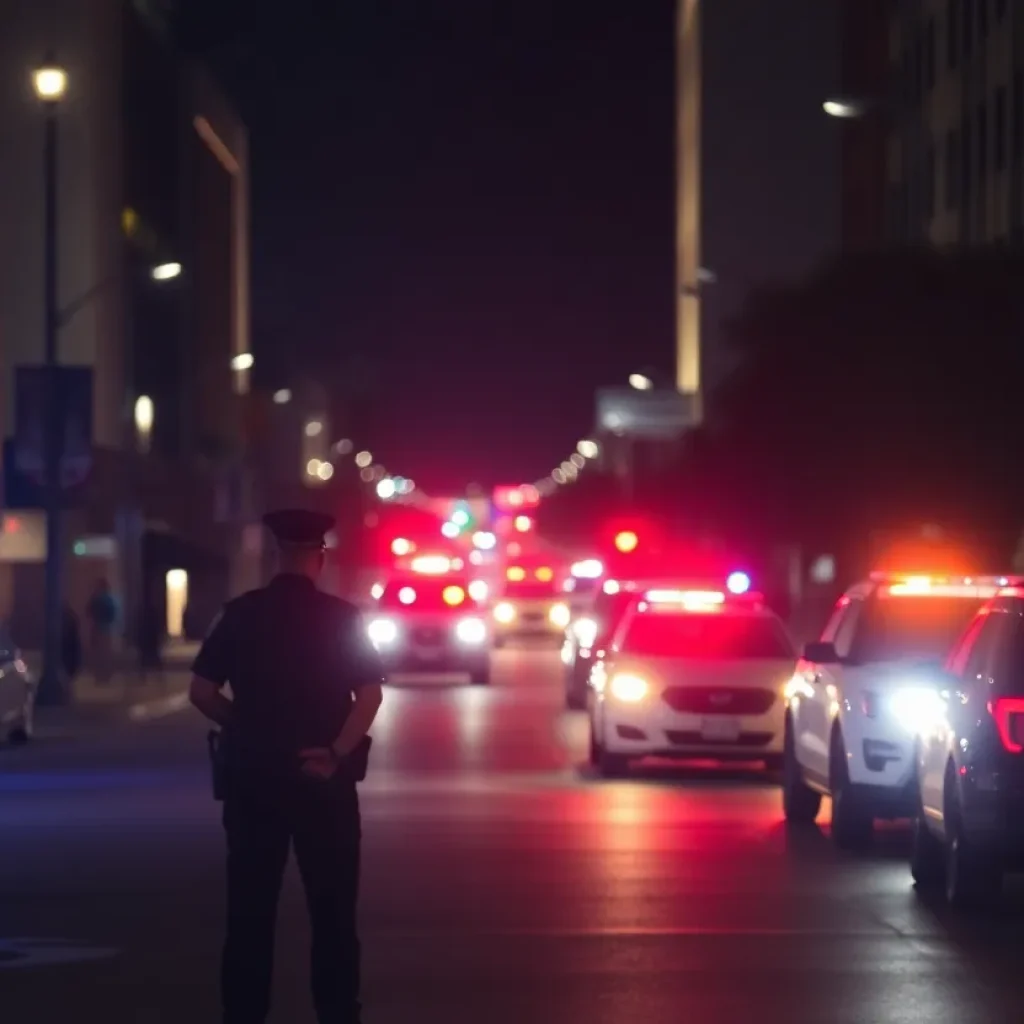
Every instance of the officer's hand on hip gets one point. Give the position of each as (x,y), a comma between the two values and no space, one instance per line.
(319,762)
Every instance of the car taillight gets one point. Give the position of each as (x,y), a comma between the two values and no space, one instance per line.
(1008,713)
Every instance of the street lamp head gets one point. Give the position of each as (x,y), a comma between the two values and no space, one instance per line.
(144,414)
(843,108)
(640,382)
(165,271)
(50,83)
(243,361)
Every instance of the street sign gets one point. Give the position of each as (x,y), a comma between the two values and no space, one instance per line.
(73,393)
(657,415)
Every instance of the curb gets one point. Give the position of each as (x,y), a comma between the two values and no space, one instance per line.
(158,707)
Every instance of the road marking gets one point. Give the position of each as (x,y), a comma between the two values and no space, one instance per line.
(675,931)
(159,707)
(17,954)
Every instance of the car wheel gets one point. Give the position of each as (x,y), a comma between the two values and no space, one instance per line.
(609,766)
(800,803)
(927,856)
(852,823)
(973,878)
(19,735)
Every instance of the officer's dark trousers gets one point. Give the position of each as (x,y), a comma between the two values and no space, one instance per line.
(321,819)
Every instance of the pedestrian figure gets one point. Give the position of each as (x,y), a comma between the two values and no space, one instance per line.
(70,643)
(151,636)
(306,684)
(103,614)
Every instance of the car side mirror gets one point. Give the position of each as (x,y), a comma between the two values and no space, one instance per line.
(822,652)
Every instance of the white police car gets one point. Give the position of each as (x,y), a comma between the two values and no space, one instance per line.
(856,699)
(691,674)
(428,622)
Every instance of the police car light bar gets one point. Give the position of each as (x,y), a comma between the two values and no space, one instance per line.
(588,569)
(685,597)
(431,565)
(978,587)
(738,583)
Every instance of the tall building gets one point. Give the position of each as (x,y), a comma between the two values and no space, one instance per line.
(864,79)
(955,154)
(153,263)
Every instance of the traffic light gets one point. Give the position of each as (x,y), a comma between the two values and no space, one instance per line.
(626,541)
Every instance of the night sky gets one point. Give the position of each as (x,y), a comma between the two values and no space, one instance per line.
(474,200)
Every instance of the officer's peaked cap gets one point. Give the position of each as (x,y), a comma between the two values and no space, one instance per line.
(299,527)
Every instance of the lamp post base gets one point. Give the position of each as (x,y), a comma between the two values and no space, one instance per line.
(52,690)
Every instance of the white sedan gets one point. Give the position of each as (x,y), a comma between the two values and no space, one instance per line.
(17,693)
(691,674)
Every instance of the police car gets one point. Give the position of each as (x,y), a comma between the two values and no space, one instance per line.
(855,700)
(691,673)
(589,631)
(529,604)
(969,825)
(428,621)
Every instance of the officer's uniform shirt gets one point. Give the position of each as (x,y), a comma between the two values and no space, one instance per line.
(293,656)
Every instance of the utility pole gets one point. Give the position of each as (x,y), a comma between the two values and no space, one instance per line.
(688,203)
(50,83)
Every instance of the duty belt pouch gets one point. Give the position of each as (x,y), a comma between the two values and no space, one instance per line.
(357,763)
(218,762)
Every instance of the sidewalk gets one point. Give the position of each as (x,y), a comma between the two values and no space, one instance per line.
(128,694)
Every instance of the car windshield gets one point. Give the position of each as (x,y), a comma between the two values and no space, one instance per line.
(609,609)
(530,589)
(709,636)
(897,628)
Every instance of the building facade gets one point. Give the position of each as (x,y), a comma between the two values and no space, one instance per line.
(153,265)
(955,151)
(864,76)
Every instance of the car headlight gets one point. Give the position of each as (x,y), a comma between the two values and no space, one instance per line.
(382,632)
(585,631)
(917,708)
(629,689)
(559,615)
(504,613)
(471,631)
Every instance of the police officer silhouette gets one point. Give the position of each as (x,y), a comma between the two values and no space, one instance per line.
(306,685)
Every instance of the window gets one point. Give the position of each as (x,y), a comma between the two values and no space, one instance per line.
(952,169)
(929,55)
(966,157)
(982,141)
(846,628)
(952,33)
(711,635)
(979,658)
(928,192)
(1007,667)
(1017,129)
(895,628)
(956,663)
(999,128)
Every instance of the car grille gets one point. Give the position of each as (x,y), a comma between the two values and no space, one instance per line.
(428,635)
(686,738)
(718,700)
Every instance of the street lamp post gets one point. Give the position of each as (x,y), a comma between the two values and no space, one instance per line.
(50,83)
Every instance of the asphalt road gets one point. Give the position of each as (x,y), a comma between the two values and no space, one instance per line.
(502,885)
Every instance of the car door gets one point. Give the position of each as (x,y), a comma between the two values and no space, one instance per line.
(12,687)
(814,728)
(968,668)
